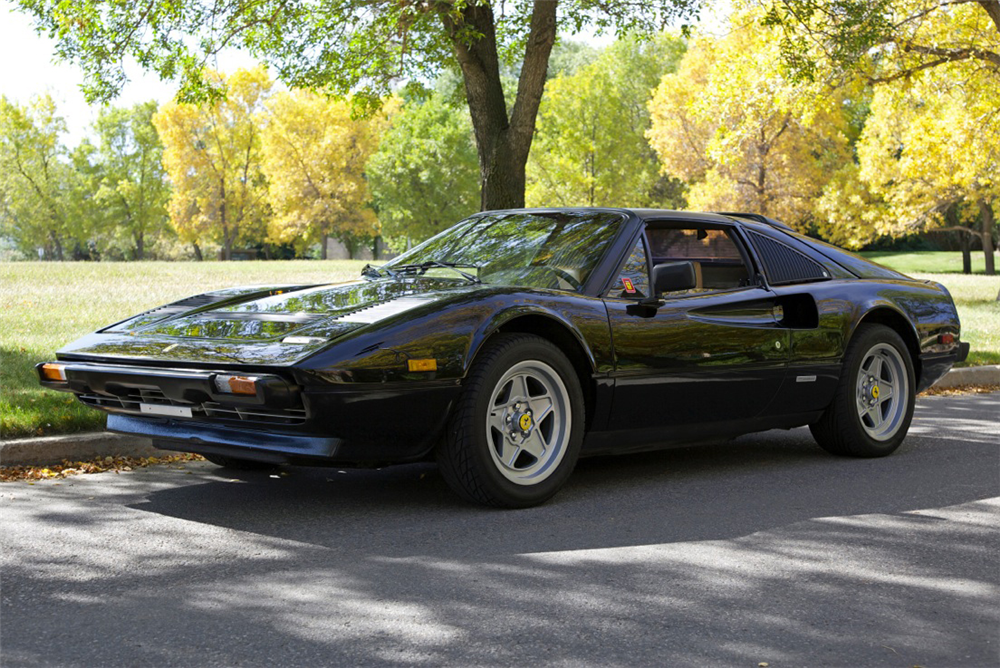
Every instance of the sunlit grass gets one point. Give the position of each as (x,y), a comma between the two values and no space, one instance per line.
(46,305)
(929,262)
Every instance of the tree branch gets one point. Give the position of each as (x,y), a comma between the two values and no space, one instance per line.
(992,7)
(950,55)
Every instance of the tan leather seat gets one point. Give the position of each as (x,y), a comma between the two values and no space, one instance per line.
(698,282)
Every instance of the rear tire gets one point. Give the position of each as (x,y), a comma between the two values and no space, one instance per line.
(517,430)
(239,464)
(873,406)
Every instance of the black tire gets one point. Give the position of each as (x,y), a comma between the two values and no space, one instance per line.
(239,464)
(470,456)
(842,430)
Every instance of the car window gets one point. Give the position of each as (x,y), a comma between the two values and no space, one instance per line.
(717,260)
(692,244)
(546,250)
(632,281)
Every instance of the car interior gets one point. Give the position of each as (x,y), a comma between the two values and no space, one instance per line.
(715,260)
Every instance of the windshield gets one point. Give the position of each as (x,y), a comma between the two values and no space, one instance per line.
(543,250)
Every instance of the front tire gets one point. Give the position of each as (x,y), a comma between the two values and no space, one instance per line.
(873,406)
(517,430)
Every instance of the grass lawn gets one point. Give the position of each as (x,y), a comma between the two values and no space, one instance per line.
(46,305)
(929,262)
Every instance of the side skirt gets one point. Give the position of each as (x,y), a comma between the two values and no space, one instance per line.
(643,440)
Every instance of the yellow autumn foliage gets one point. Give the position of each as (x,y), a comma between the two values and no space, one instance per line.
(745,135)
(314,156)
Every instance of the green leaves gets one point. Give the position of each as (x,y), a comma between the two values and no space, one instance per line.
(425,175)
(590,146)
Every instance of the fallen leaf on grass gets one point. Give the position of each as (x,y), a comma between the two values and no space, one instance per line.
(100,465)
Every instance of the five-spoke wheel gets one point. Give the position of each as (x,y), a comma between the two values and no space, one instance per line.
(528,424)
(517,431)
(873,407)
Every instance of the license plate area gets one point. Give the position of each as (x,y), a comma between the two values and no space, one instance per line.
(166,411)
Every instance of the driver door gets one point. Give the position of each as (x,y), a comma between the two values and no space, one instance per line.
(706,355)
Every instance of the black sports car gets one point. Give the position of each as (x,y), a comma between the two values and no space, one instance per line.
(516,341)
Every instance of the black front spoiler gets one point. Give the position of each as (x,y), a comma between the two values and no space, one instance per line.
(211,439)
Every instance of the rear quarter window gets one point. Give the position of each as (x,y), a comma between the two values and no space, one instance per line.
(857,265)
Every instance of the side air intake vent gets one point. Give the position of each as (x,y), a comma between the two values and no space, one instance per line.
(784,264)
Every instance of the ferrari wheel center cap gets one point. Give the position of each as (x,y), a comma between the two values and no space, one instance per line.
(874,391)
(524,422)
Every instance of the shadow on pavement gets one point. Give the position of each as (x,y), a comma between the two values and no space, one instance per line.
(762,549)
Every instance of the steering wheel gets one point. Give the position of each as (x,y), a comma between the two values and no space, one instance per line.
(564,275)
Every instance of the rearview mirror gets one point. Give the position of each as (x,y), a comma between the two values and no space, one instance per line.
(674,276)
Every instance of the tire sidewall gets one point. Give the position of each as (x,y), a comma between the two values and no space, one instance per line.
(508,492)
(867,339)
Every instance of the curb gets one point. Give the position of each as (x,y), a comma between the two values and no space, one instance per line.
(970,375)
(48,450)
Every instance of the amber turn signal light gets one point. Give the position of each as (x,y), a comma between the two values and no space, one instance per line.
(236,384)
(56,372)
(422,365)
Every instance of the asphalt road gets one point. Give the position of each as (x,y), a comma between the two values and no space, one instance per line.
(764,549)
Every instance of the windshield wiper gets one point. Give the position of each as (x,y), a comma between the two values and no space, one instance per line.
(422,267)
(369,271)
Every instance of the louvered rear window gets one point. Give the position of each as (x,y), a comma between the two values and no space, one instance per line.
(784,264)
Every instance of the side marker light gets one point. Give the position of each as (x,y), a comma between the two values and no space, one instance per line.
(422,365)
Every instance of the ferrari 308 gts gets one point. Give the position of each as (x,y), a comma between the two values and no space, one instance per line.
(513,343)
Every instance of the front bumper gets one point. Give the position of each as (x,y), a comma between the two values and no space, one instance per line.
(319,423)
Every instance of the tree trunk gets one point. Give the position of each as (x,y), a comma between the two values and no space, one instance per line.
(197,252)
(503,142)
(56,245)
(140,246)
(988,222)
(323,241)
(966,246)
(964,242)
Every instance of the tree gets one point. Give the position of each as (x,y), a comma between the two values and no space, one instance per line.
(314,159)
(133,189)
(743,134)
(212,154)
(591,147)
(36,181)
(424,175)
(354,46)
(932,144)
(885,40)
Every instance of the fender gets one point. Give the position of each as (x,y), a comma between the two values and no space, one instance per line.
(864,310)
(501,318)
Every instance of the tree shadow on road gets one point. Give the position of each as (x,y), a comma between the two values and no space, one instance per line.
(761,549)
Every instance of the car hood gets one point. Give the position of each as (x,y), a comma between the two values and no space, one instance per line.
(271,326)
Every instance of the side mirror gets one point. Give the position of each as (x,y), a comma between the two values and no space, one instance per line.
(674,276)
